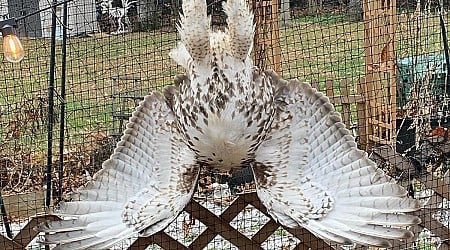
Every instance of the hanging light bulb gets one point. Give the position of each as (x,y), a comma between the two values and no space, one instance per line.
(12,47)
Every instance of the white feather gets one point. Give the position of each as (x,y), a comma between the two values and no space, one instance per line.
(143,173)
(313,157)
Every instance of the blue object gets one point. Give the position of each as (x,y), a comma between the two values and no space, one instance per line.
(431,68)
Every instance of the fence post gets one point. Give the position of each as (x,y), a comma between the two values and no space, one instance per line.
(363,129)
(266,48)
(380,67)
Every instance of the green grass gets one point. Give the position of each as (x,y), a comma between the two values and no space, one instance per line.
(323,19)
(91,62)
(322,49)
(280,232)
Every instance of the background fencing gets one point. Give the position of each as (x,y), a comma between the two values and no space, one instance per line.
(63,107)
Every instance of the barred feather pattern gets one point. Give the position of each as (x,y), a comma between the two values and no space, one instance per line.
(194,29)
(240,28)
(144,185)
(224,113)
(310,173)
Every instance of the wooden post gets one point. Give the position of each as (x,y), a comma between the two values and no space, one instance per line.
(346,111)
(345,100)
(362,113)
(380,80)
(267,51)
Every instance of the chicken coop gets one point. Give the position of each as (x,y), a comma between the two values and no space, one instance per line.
(384,64)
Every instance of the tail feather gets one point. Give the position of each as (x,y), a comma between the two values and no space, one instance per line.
(194,29)
(181,56)
(240,28)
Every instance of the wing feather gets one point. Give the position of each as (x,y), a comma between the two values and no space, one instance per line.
(146,182)
(316,178)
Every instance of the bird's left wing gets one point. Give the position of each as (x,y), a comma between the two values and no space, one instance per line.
(144,185)
(309,173)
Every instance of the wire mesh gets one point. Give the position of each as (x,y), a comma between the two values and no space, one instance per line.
(382,63)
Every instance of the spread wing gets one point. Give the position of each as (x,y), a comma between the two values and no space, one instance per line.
(144,185)
(309,173)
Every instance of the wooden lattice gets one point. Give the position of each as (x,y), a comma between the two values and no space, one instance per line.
(216,225)
(441,191)
(26,234)
(220,225)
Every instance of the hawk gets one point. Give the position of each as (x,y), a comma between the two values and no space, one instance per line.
(226,114)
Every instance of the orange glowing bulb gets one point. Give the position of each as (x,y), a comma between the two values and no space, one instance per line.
(12,48)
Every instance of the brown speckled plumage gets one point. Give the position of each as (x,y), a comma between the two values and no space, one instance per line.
(225,105)
(225,113)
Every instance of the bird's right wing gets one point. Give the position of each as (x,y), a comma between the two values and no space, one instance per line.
(144,185)
(309,173)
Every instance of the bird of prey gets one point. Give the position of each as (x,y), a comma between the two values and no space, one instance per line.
(226,114)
